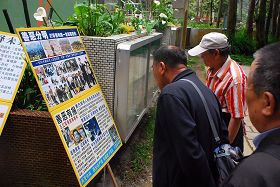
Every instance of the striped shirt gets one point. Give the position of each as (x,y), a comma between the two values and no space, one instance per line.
(229,83)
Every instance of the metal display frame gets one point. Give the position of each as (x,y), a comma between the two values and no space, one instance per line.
(122,81)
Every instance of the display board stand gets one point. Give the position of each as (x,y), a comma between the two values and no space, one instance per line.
(112,175)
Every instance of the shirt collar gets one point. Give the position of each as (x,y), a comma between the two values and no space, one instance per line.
(223,70)
(258,139)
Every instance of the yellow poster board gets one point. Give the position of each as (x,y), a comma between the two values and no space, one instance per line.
(12,68)
(73,96)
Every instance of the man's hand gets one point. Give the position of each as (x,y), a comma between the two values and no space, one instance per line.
(233,127)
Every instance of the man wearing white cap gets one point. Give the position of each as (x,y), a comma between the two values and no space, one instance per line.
(226,79)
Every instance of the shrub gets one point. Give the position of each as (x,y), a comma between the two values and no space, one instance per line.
(29,95)
(242,44)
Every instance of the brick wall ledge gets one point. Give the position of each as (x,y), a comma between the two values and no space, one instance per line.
(31,113)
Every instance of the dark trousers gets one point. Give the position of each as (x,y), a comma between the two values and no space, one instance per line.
(238,141)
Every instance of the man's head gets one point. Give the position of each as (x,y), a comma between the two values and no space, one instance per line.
(213,49)
(168,62)
(263,88)
(76,135)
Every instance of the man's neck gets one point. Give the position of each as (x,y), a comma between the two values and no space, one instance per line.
(220,62)
(176,72)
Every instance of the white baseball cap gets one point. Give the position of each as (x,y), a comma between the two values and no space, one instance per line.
(212,40)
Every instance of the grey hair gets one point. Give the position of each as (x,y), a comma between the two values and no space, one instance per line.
(266,76)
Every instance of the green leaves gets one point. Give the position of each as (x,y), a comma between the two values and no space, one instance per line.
(96,19)
(163,14)
(29,95)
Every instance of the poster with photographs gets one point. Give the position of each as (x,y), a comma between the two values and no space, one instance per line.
(60,63)
(89,135)
(4,112)
(12,67)
(74,98)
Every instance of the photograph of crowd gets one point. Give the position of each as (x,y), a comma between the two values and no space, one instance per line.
(35,51)
(92,128)
(65,79)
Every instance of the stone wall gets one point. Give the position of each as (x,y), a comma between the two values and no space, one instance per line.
(102,54)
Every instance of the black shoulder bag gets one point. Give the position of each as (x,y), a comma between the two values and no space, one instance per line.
(226,157)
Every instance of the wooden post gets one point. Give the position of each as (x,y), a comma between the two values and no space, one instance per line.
(112,175)
(184,33)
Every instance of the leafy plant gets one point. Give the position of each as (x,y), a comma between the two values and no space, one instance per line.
(242,59)
(193,24)
(96,19)
(163,14)
(29,95)
(242,44)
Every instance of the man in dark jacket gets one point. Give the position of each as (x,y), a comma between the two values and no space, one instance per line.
(183,140)
(262,168)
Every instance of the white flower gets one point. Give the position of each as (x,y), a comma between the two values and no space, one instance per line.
(163,22)
(157,2)
(40,14)
(162,15)
(176,10)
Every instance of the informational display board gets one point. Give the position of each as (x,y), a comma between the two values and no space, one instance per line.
(73,96)
(12,67)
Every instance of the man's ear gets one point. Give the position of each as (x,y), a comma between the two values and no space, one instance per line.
(162,67)
(269,104)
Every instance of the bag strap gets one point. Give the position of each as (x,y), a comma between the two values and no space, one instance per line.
(210,119)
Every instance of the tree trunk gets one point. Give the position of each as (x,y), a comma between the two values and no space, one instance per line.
(250,18)
(232,18)
(219,13)
(197,7)
(268,20)
(260,24)
(278,26)
(241,6)
(274,16)
(184,33)
(201,9)
(211,11)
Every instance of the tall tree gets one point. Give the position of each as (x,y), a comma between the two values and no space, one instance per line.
(197,7)
(274,16)
(250,18)
(241,7)
(232,17)
(260,32)
(211,11)
(278,26)
(219,13)
(268,20)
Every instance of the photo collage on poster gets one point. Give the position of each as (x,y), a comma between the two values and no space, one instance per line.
(89,132)
(61,66)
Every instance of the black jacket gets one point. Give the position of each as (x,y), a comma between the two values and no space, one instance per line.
(262,168)
(183,140)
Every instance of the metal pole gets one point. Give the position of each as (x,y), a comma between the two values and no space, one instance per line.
(26,14)
(9,23)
